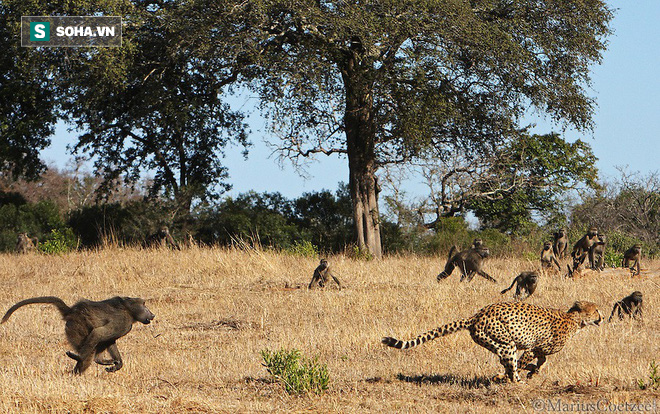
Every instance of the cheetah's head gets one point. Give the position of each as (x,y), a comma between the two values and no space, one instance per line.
(586,313)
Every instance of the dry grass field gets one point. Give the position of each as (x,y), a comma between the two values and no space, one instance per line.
(216,309)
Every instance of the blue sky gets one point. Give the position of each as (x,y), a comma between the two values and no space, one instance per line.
(625,85)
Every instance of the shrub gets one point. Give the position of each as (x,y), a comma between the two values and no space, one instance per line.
(303,248)
(654,378)
(296,373)
(59,241)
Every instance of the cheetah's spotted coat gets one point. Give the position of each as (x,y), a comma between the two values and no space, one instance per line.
(505,328)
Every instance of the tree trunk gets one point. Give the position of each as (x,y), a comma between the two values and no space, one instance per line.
(360,142)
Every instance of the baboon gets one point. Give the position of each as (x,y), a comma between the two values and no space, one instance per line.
(633,254)
(630,306)
(597,253)
(322,275)
(162,238)
(469,261)
(527,281)
(25,244)
(93,327)
(548,257)
(477,244)
(560,244)
(583,246)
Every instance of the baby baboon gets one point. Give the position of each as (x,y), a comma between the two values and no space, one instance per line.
(162,238)
(583,246)
(322,275)
(597,253)
(527,281)
(469,261)
(630,306)
(560,244)
(93,327)
(634,254)
(548,257)
(25,244)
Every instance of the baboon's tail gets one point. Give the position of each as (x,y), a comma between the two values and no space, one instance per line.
(509,288)
(450,328)
(59,304)
(452,252)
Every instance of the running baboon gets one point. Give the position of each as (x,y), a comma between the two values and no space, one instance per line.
(469,261)
(548,257)
(560,244)
(583,246)
(633,254)
(162,238)
(25,244)
(527,281)
(630,306)
(322,275)
(93,327)
(597,253)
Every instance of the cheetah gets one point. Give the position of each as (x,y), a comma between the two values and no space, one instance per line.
(504,328)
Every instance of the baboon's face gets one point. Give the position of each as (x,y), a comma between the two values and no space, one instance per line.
(323,264)
(637,249)
(593,232)
(164,231)
(562,233)
(588,313)
(547,246)
(139,310)
(636,296)
(483,252)
(602,239)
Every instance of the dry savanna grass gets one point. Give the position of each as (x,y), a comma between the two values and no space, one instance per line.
(216,309)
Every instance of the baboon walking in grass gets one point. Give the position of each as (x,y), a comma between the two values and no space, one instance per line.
(93,327)
(630,306)
(526,282)
(470,262)
(634,254)
(322,275)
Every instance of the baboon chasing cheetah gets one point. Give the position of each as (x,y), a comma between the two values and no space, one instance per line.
(630,306)
(162,238)
(560,244)
(634,254)
(548,257)
(322,275)
(25,244)
(93,327)
(469,261)
(527,282)
(597,253)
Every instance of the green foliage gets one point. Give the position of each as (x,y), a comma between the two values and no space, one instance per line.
(360,254)
(17,216)
(654,378)
(59,242)
(303,249)
(295,372)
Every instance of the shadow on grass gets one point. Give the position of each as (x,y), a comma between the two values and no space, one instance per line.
(469,383)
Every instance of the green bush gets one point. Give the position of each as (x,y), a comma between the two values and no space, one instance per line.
(59,242)
(654,378)
(296,373)
(303,248)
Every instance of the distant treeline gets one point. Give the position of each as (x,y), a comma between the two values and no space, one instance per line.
(322,219)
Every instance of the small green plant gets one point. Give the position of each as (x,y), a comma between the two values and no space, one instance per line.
(613,259)
(304,248)
(59,242)
(654,378)
(295,372)
(361,254)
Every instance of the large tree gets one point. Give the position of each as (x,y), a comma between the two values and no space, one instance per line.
(382,81)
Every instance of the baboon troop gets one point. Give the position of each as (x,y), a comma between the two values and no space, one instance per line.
(162,238)
(322,275)
(634,254)
(560,244)
(527,282)
(630,306)
(25,244)
(93,327)
(597,253)
(469,261)
(548,257)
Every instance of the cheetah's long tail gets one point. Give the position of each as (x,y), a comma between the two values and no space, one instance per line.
(448,329)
